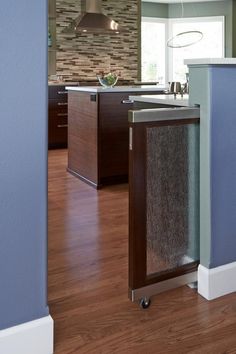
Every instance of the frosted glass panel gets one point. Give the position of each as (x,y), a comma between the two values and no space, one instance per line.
(172,197)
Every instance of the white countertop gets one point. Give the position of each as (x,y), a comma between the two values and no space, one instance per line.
(61,83)
(100,89)
(168,99)
(211,61)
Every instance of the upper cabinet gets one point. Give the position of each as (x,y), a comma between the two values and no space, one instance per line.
(52,37)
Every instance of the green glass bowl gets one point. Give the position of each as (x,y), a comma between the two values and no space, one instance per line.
(108,81)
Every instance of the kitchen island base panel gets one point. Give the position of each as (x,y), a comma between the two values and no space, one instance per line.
(98,135)
(163,200)
(82,178)
(83,136)
(158,288)
(106,181)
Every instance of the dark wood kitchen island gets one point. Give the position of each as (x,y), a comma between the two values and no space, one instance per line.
(98,135)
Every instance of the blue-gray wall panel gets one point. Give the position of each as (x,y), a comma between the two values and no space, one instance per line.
(223,166)
(23,161)
(151,9)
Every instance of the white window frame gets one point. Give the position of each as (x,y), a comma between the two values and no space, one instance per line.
(158,20)
(169,33)
(172,21)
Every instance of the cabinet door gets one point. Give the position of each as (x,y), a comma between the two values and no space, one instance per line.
(57,92)
(113,134)
(163,203)
(57,124)
(82,136)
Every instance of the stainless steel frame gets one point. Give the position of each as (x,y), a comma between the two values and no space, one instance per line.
(157,288)
(162,114)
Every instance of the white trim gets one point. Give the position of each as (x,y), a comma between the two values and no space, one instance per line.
(154,19)
(216,282)
(197,19)
(211,61)
(162,21)
(35,337)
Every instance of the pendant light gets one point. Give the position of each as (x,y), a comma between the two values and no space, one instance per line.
(186,38)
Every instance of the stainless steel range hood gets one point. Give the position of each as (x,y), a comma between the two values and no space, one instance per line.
(92,19)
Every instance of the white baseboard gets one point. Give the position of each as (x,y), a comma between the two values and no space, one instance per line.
(35,337)
(216,282)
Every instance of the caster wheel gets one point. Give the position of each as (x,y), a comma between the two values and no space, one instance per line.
(145,303)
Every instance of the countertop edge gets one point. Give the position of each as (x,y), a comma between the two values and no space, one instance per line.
(211,61)
(96,89)
(162,99)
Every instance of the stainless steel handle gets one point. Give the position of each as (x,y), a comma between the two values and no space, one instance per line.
(130,138)
(62,114)
(62,104)
(62,125)
(62,92)
(127,101)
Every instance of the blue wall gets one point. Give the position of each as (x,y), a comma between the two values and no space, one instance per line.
(223,165)
(212,87)
(23,161)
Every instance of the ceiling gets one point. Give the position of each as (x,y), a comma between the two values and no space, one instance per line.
(177,1)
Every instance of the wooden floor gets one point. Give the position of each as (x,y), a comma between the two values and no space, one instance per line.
(88,233)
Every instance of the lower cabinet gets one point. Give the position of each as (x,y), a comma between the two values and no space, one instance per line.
(57,117)
(98,136)
(113,137)
(163,201)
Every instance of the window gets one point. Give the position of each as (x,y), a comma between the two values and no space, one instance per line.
(154,37)
(163,64)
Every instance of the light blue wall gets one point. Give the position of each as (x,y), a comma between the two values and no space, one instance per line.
(151,9)
(217,161)
(23,161)
(199,80)
(223,166)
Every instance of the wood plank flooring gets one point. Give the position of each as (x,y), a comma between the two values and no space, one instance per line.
(87,282)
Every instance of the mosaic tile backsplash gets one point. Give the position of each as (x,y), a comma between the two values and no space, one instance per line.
(83,56)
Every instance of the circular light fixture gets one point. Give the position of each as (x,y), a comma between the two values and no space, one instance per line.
(185,39)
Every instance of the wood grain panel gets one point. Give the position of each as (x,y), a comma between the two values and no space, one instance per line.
(113,133)
(98,137)
(82,136)
(57,92)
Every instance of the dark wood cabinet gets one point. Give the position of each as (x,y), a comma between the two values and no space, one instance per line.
(57,117)
(163,201)
(113,136)
(98,136)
